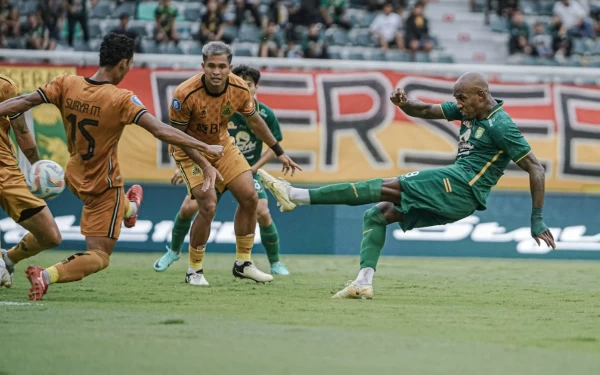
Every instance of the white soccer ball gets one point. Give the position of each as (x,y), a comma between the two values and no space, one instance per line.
(46,179)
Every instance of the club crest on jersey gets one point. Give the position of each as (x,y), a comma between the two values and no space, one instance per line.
(136,100)
(227,110)
(176,104)
(479,133)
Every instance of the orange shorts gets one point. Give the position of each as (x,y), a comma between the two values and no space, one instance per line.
(232,164)
(102,213)
(15,197)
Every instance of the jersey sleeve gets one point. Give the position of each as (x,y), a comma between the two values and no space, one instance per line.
(180,111)
(451,111)
(509,139)
(247,106)
(132,108)
(51,92)
(273,124)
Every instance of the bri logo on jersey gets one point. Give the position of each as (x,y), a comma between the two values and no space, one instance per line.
(176,104)
(136,100)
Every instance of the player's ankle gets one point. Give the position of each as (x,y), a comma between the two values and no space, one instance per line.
(300,196)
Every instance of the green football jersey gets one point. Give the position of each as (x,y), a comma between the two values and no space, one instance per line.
(485,147)
(245,139)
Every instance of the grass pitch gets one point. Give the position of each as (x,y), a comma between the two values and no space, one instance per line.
(429,316)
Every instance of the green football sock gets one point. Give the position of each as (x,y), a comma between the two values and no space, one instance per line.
(181,227)
(351,194)
(374,226)
(270,240)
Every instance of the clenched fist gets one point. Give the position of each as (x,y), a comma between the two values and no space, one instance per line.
(399,97)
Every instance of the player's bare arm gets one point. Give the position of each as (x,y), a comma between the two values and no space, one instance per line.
(539,230)
(264,159)
(169,135)
(25,139)
(20,104)
(416,108)
(260,128)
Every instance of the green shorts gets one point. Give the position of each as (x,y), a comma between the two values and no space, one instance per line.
(435,197)
(258,186)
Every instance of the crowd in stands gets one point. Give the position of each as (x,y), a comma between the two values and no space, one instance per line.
(551,30)
(267,28)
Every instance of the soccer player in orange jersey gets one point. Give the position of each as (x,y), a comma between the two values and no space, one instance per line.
(95,113)
(202,107)
(15,198)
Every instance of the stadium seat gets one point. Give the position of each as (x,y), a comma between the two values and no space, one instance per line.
(356,55)
(81,46)
(529,7)
(95,44)
(195,49)
(192,13)
(498,25)
(445,59)
(249,33)
(363,38)
(141,29)
(27,7)
(128,8)
(422,57)
(337,37)
(101,10)
(149,46)
(579,46)
(172,49)
(95,30)
(184,30)
(395,55)
(367,19)
(145,11)
(376,54)
(230,32)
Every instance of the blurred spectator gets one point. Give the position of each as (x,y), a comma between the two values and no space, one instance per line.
(561,41)
(541,41)
(313,45)
(386,26)
(211,25)
(279,13)
(506,8)
(53,15)
(374,5)
(241,6)
(77,13)
(9,19)
(333,12)
(165,30)
(519,35)
(417,30)
(570,12)
(123,29)
(271,44)
(36,35)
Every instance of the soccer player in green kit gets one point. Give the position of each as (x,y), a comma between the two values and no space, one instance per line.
(488,141)
(251,147)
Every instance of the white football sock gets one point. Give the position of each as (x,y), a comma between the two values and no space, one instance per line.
(134,209)
(300,196)
(365,276)
(9,263)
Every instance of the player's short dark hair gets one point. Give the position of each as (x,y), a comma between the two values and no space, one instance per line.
(244,71)
(114,48)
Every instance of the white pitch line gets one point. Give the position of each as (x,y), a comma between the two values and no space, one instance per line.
(7,303)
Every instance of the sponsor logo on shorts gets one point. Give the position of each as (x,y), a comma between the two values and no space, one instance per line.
(196,170)
(176,104)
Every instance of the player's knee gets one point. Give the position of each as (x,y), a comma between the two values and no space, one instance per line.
(263,216)
(188,209)
(249,201)
(383,213)
(101,259)
(51,239)
(207,209)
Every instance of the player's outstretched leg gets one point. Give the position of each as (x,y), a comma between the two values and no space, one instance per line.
(242,188)
(181,227)
(5,276)
(43,234)
(351,194)
(269,236)
(74,268)
(375,222)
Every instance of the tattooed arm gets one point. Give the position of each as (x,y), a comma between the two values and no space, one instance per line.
(25,139)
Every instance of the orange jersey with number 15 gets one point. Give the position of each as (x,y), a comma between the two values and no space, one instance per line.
(94,115)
